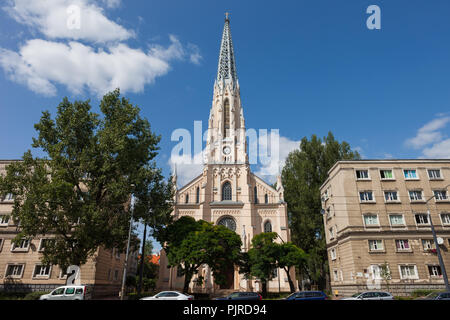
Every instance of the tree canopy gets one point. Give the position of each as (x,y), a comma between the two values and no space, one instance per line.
(305,170)
(189,244)
(79,192)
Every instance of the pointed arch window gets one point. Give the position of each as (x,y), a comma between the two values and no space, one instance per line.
(226,118)
(255,192)
(226,191)
(187,198)
(266,198)
(197,200)
(267,226)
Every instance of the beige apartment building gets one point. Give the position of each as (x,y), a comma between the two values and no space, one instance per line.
(22,271)
(375,214)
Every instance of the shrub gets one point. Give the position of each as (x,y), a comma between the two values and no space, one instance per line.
(34,295)
(421,293)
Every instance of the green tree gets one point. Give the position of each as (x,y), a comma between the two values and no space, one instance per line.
(262,258)
(79,192)
(289,256)
(305,170)
(189,244)
(385,273)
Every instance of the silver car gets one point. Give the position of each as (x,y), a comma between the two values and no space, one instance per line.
(68,293)
(371,295)
(169,295)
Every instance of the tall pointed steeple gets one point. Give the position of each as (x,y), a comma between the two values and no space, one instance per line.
(226,142)
(226,71)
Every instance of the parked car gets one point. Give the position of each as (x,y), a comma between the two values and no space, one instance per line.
(241,296)
(307,295)
(371,295)
(443,295)
(170,295)
(68,293)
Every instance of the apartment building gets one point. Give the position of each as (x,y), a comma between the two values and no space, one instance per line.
(22,271)
(378,232)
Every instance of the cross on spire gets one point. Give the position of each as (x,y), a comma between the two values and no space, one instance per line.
(226,15)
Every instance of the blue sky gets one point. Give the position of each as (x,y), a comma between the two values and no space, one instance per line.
(304,67)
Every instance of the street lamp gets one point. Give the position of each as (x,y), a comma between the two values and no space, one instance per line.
(438,251)
(122,291)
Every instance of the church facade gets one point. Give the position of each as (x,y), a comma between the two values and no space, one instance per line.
(227,192)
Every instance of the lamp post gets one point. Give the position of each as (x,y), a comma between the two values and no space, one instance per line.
(438,251)
(122,291)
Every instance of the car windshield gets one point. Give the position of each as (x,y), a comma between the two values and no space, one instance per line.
(292,295)
(356,295)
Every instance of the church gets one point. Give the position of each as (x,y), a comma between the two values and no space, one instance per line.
(227,192)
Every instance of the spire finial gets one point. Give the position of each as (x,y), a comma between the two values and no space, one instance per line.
(226,16)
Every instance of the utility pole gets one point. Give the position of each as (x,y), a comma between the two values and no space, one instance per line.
(122,291)
(438,250)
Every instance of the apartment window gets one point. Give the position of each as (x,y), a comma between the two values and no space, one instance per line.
(179,272)
(336,275)
(396,220)
(391,196)
(41,271)
(8,197)
(410,174)
(440,195)
(408,272)
(371,220)
(14,270)
(386,175)
(333,254)
(422,219)
(274,273)
(428,244)
(402,245)
(23,245)
(45,243)
(445,218)
(117,254)
(415,195)
(362,174)
(109,274)
(435,271)
(4,220)
(116,274)
(376,245)
(331,233)
(375,270)
(434,174)
(1,244)
(366,196)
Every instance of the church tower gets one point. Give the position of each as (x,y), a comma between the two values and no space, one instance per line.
(226,141)
(227,192)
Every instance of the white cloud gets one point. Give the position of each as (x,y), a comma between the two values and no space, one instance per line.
(432,139)
(440,150)
(56,20)
(40,64)
(269,171)
(187,167)
(428,133)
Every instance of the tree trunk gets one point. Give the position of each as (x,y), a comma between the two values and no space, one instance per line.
(264,289)
(291,283)
(141,270)
(187,280)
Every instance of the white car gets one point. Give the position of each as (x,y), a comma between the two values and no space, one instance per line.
(371,295)
(68,293)
(169,295)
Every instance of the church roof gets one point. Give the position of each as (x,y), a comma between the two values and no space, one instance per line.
(226,71)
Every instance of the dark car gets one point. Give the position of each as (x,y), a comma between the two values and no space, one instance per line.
(444,295)
(242,296)
(307,295)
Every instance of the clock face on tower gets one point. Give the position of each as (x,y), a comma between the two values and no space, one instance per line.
(227,150)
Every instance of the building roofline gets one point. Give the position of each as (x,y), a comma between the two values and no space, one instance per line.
(417,160)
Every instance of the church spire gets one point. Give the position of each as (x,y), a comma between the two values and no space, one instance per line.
(227,67)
